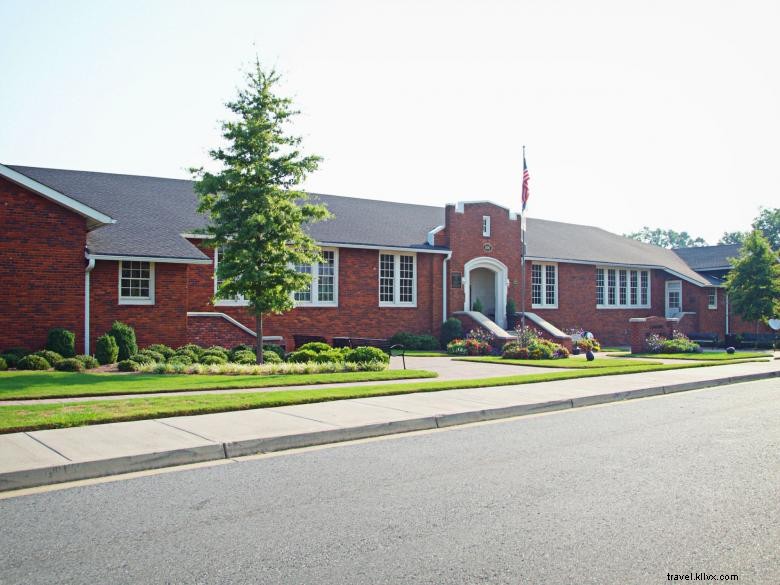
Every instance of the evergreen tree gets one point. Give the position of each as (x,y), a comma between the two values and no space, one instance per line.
(256,214)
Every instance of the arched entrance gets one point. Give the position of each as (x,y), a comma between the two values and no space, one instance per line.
(486,279)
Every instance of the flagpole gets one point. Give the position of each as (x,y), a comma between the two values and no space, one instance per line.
(522,258)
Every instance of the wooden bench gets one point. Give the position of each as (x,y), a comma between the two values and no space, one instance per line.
(704,338)
(759,339)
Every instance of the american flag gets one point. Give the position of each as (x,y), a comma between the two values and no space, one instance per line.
(526,177)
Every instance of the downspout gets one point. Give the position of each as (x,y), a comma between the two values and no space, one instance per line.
(727,314)
(90,266)
(444,286)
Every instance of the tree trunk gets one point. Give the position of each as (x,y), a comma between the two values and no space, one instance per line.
(259,343)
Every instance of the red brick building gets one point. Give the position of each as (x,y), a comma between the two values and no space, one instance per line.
(81,249)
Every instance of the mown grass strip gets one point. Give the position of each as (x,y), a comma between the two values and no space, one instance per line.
(425,353)
(707,356)
(31,416)
(578,364)
(24,385)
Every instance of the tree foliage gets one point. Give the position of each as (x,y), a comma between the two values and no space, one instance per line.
(256,214)
(767,222)
(666,238)
(753,284)
(732,238)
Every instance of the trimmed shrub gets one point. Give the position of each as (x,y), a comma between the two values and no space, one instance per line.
(361,355)
(10,359)
(162,349)
(315,346)
(212,359)
(244,356)
(125,339)
(179,358)
(50,356)
(33,362)
(457,347)
(218,349)
(277,349)
(451,329)
(62,341)
(514,351)
(241,347)
(19,352)
(414,341)
(271,357)
(87,361)
(302,356)
(679,343)
(3,364)
(128,366)
(69,365)
(191,355)
(155,355)
(106,349)
(336,356)
(142,358)
(191,347)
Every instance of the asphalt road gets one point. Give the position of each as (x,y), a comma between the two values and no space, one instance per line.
(624,493)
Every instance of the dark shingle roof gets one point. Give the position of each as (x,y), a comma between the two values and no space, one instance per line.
(152,213)
(709,257)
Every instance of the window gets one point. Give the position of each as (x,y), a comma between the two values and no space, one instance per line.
(322,291)
(619,288)
(486,226)
(235,301)
(544,289)
(136,283)
(712,298)
(397,279)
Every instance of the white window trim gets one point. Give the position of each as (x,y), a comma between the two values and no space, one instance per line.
(396,278)
(715,304)
(315,278)
(485,226)
(237,302)
(136,300)
(628,270)
(544,304)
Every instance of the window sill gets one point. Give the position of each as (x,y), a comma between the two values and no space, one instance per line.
(136,302)
(544,306)
(399,305)
(623,307)
(231,304)
(300,305)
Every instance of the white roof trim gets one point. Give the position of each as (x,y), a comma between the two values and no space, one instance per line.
(460,207)
(160,259)
(376,247)
(196,236)
(432,234)
(55,196)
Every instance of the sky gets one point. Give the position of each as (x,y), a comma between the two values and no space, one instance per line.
(662,113)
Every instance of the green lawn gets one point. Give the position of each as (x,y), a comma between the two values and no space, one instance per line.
(704,356)
(46,416)
(578,364)
(425,353)
(22,385)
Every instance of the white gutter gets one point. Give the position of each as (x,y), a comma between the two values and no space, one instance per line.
(160,259)
(90,266)
(444,286)
(727,314)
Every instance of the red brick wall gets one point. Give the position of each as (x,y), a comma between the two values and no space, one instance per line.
(41,269)
(163,322)
(358,313)
(208,331)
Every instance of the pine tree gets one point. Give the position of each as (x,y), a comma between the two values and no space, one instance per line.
(256,213)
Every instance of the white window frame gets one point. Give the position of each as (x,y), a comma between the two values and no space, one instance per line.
(485,226)
(628,288)
(712,293)
(239,301)
(544,304)
(315,281)
(396,279)
(136,300)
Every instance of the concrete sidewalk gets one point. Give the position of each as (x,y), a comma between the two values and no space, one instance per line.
(46,457)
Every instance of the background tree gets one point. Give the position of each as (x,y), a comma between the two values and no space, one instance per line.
(256,214)
(767,222)
(753,284)
(733,237)
(666,238)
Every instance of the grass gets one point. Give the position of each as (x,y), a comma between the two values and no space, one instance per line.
(23,385)
(425,353)
(578,364)
(32,416)
(707,356)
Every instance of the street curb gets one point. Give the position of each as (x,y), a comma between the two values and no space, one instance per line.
(29,478)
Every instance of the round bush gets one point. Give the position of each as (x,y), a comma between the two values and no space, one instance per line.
(275,349)
(414,341)
(302,356)
(244,356)
(189,354)
(361,355)
(213,353)
(218,349)
(155,355)
(271,357)
(142,358)
(3,364)
(106,349)
(19,352)
(162,349)
(10,359)
(33,362)
(50,356)
(212,359)
(335,356)
(315,346)
(240,348)
(450,329)
(192,348)
(127,366)
(87,361)
(69,365)
(182,359)
(125,339)
(62,341)
(514,351)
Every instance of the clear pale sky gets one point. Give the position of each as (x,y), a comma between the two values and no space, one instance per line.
(662,113)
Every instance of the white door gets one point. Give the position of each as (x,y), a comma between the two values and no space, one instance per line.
(673,298)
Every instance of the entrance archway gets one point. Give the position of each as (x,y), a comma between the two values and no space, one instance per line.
(486,279)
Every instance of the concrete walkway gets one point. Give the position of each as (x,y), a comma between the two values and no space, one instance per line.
(52,456)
